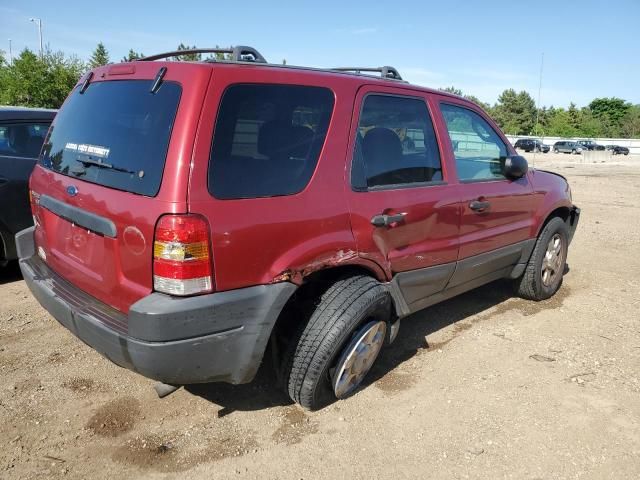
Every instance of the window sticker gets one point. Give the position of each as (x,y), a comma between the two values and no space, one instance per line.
(98,151)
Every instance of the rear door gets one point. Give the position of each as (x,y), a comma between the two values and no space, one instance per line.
(497,213)
(116,159)
(404,214)
(20,143)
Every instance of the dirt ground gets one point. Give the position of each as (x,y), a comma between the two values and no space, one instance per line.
(482,386)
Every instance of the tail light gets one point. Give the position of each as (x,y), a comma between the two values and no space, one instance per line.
(34,201)
(182,256)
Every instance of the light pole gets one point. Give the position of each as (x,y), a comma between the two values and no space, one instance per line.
(39,23)
(10,54)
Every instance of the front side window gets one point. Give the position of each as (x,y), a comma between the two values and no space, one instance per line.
(267,140)
(479,151)
(22,139)
(395,144)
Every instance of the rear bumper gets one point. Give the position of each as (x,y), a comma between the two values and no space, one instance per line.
(208,338)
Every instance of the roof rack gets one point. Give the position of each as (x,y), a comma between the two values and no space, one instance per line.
(240,53)
(385,72)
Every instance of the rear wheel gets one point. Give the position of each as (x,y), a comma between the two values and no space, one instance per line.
(340,342)
(542,277)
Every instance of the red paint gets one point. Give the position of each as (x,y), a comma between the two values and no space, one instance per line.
(258,241)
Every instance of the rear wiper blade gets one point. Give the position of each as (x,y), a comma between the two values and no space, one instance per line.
(110,166)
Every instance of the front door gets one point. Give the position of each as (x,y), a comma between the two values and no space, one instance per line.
(497,212)
(404,214)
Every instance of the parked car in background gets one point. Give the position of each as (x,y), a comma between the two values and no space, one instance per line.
(567,146)
(618,150)
(590,145)
(531,145)
(185,271)
(22,132)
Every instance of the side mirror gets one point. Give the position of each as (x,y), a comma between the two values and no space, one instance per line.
(515,167)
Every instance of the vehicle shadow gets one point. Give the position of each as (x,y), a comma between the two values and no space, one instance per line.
(10,273)
(415,328)
(264,391)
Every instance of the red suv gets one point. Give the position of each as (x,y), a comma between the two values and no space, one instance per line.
(191,215)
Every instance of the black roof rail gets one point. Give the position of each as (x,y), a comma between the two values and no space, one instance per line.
(240,53)
(385,72)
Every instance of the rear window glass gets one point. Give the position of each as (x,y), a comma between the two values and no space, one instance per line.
(22,139)
(267,139)
(114,134)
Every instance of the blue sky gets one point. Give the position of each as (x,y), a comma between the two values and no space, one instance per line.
(591,49)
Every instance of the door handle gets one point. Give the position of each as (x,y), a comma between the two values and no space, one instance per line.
(479,205)
(384,220)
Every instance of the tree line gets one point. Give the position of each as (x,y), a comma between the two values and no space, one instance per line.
(44,81)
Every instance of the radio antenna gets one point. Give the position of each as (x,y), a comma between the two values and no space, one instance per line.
(538,109)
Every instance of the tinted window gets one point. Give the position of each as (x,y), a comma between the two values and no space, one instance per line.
(479,151)
(396,143)
(267,139)
(121,125)
(22,139)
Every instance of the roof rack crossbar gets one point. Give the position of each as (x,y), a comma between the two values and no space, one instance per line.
(240,53)
(385,72)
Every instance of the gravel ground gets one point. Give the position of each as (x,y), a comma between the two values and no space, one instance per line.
(482,386)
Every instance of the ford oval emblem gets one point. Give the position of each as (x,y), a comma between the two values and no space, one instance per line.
(72,190)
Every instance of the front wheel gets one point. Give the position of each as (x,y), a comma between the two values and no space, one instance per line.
(340,342)
(542,277)
(555,150)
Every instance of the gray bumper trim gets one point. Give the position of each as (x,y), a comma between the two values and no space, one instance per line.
(216,337)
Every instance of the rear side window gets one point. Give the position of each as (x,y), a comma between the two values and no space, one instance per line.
(22,139)
(479,151)
(114,134)
(395,144)
(267,139)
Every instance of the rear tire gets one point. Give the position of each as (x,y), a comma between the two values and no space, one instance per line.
(348,304)
(550,256)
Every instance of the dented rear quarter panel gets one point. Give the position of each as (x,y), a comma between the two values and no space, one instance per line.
(281,238)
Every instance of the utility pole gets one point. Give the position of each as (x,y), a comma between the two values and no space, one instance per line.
(10,54)
(38,22)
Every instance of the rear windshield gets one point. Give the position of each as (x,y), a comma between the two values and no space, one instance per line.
(114,134)
(267,139)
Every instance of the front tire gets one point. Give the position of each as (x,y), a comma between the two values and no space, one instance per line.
(542,277)
(352,310)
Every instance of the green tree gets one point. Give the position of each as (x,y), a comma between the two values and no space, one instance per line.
(473,98)
(515,112)
(218,56)
(560,125)
(590,126)
(39,82)
(188,57)
(99,57)
(452,89)
(132,55)
(631,122)
(574,117)
(610,112)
